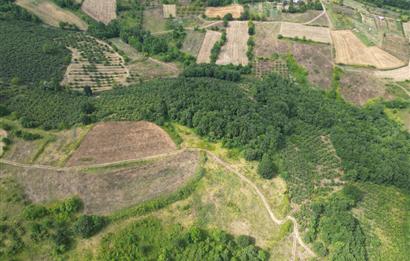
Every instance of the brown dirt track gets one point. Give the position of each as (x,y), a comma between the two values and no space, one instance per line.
(118,141)
(108,189)
(350,50)
(101,10)
(215,12)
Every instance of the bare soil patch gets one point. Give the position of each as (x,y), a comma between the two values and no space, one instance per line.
(219,12)
(211,37)
(358,87)
(108,191)
(169,11)
(314,33)
(118,141)
(101,10)
(234,50)
(406,29)
(51,14)
(350,50)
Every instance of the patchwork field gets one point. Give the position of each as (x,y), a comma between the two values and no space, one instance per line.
(169,11)
(350,50)
(234,50)
(95,64)
(51,14)
(314,33)
(193,42)
(101,10)
(204,55)
(119,141)
(105,190)
(219,12)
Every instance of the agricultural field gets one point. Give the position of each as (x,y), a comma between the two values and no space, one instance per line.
(52,14)
(120,141)
(154,21)
(204,55)
(266,38)
(313,33)
(142,67)
(169,11)
(193,42)
(351,51)
(304,17)
(234,50)
(400,74)
(265,66)
(219,12)
(398,46)
(101,10)
(94,64)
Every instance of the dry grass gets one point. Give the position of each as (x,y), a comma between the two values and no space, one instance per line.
(101,10)
(211,37)
(104,191)
(398,46)
(350,50)
(118,141)
(219,12)
(193,42)
(169,11)
(234,50)
(400,74)
(266,38)
(51,14)
(314,33)
(100,75)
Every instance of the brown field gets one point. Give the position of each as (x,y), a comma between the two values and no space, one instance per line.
(266,38)
(219,12)
(193,42)
(100,10)
(51,14)
(358,87)
(105,190)
(398,46)
(119,141)
(314,33)
(350,50)
(406,29)
(400,74)
(211,37)
(100,75)
(169,11)
(234,50)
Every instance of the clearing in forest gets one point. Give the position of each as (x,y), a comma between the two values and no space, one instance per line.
(235,48)
(105,190)
(51,14)
(350,50)
(219,12)
(211,37)
(119,141)
(101,10)
(169,11)
(94,63)
(313,33)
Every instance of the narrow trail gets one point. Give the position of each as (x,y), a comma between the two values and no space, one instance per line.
(226,165)
(317,17)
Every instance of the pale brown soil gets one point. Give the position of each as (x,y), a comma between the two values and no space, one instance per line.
(406,29)
(358,87)
(51,14)
(211,38)
(350,50)
(219,12)
(117,141)
(314,33)
(234,50)
(101,10)
(266,38)
(169,11)
(107,191)
(400,74)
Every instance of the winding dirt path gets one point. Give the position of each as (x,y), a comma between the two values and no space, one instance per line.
(317,17)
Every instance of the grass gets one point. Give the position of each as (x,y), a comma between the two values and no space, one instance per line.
(384,216)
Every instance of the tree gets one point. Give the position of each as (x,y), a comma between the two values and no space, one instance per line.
(87,226)
(88,91)
(266,168)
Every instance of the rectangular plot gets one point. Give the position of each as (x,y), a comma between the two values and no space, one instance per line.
(234,50)
(211,38)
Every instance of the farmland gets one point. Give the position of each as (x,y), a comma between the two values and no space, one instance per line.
(169,11)
(101,10)
(350,50)
(52,14)
(220,12)
(204,55)
(110,142)
(193,42)
(234,51)
(94,64)
(314,33)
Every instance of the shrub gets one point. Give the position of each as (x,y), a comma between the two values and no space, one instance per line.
(266,168)
(87,226)
(32,212)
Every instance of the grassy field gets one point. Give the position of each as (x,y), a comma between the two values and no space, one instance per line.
(193,42)
(384,215)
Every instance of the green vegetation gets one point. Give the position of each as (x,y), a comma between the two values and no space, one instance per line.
(30,53)
(266,168)
(149,239)
(223,72)
(216,49)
